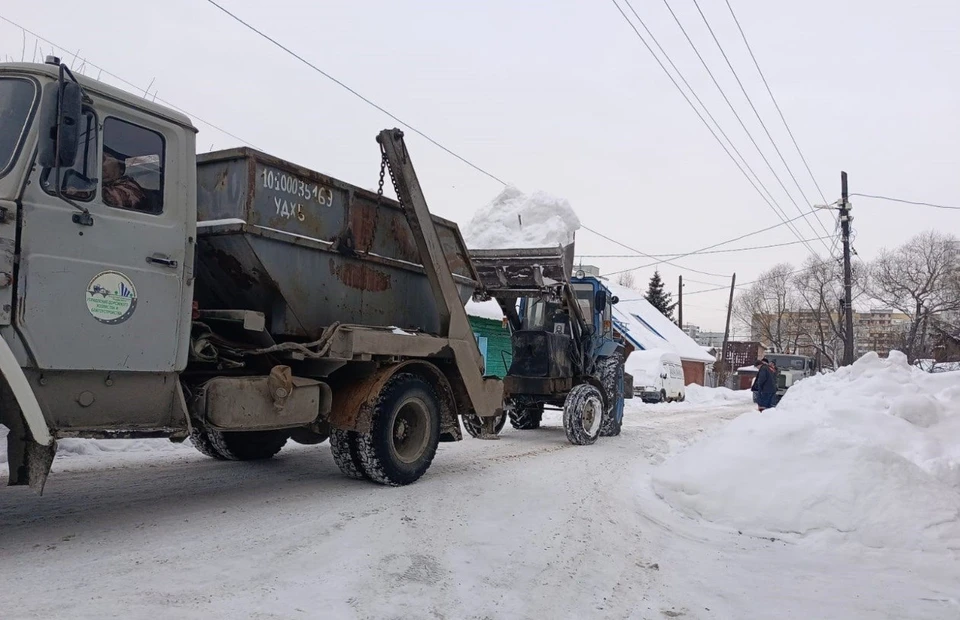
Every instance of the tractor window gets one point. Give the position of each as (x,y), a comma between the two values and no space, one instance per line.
(17,97)
(536,315)
(585,294)
(78,182)
(132,167)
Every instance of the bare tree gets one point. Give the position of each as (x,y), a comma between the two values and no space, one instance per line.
(769,306)
(920,279)
(819,287)
(626,279)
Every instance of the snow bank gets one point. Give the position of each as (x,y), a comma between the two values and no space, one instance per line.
(517,220)
(868,454)
(700,395)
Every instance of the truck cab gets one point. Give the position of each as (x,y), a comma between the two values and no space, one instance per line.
(97,236)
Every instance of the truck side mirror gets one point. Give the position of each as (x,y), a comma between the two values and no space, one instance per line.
(600,301)
(60,111)
(614,300)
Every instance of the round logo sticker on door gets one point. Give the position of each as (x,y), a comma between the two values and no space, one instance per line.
(111,297)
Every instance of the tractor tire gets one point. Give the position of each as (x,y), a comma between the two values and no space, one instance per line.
(346,453)
(248,445)
(610,371)
(473,425)
(526,418)
(583,414)
(405,432)
(201,441)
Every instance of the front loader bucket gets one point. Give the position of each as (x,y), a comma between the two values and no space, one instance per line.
(522,272)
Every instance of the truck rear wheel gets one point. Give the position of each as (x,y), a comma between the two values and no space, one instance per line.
(346,453)
(474,426)
(526,417)
(583,414)
(201,441)
(405,432)
(247,445)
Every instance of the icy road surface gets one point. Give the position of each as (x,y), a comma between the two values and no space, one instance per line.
(525,527)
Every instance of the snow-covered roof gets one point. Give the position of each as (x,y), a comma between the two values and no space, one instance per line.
(489,309)
(646,328)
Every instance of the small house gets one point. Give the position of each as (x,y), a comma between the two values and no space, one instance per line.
(493,336)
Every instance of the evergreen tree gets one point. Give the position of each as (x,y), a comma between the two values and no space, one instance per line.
(659,298)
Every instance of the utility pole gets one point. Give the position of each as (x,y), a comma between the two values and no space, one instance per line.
(680,305)
(726,332)
(845,220)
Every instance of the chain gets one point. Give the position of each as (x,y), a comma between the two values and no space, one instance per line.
(383,169)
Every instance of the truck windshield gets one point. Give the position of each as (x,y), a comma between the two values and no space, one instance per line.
(17,98)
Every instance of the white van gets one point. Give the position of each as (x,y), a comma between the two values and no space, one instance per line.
(657,376)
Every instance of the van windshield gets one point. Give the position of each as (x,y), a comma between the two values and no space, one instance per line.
(17,97)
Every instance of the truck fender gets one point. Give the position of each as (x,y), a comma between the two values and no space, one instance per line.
(23,393)
(354,400)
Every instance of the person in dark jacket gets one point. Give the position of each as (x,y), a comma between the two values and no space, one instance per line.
(766,385)
(753,386)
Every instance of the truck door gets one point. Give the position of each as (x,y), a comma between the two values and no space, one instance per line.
(110,296)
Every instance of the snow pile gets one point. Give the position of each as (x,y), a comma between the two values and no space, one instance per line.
(489,309)
(869,454)
(517,220)
(700,395)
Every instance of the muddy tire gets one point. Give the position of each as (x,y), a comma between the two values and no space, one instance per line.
(473,425)
(405,432)
(248,445)
(346,453)
(611,378)
(583,414)
(527,417)
(201,441)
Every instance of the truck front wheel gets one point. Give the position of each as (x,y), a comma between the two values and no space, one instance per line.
(405,432)
(247,445)
(583,414)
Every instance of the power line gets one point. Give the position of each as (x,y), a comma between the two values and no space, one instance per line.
(773,142)
(909,202)
(624,245)
(716,245)
(736,114)
(777,105)
(732,250)
(129,83)
(711,117)
(357,94)
(777,211)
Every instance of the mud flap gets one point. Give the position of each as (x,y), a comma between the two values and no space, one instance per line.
(29,461)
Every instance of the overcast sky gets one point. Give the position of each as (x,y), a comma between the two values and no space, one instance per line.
(561,96)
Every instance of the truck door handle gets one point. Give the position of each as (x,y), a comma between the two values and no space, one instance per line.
(159,259)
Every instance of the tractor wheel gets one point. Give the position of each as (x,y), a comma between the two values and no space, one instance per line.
(474,427)
(201,441)
(583,414)
(526,417)
(346,453)
(611,378)
(405,432)
(247,445)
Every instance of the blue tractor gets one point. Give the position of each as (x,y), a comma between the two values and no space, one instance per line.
(566,353)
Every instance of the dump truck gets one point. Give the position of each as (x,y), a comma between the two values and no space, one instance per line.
(566,353)
(234,298)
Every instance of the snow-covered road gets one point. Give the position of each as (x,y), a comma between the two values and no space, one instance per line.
(525,527)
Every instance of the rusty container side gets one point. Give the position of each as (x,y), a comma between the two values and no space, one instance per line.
(308,250)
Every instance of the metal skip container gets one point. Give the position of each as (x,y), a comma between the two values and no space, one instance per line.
(308,250)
